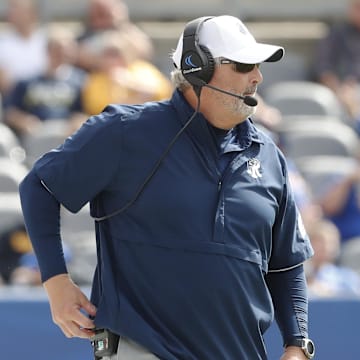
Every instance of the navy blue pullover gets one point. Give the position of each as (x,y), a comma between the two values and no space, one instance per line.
(195,268)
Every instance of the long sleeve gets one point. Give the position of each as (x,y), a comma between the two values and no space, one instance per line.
(289,293)
(42,219)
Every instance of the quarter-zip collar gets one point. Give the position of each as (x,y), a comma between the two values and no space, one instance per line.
(200,129)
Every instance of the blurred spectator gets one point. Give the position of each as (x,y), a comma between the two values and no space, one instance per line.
(310,211)
(18,264)
(22,45)
(54,94)
(119,78)
(337,61)
(27,270)
(14,242)
(340,202)
(326,278)
(105,15)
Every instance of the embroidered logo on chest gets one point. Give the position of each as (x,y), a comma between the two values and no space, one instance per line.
(254,168)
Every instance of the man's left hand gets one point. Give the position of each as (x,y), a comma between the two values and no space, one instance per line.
(293,353)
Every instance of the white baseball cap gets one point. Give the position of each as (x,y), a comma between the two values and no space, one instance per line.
(226,36)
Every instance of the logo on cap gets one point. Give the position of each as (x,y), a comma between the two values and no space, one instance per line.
(243,29)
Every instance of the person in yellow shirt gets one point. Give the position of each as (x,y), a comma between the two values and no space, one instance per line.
(119,78)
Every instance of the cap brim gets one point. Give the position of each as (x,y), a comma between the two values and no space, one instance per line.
(257,53)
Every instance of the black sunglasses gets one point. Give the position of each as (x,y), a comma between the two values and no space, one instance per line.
(240,67)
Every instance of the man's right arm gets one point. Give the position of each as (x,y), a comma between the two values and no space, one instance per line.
(41,212)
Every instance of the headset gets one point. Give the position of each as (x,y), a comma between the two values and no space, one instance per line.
(197,62)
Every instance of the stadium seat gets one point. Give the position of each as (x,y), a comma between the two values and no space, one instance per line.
(78,233)
(10,210)
(80,221)
(11,174)
(295,123)
(319,171)
(9,145)
(314,138)
(289,120)
(292,67)
(350,254)
(49,136)
(303,98)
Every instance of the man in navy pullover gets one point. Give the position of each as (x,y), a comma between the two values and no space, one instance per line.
(199,241)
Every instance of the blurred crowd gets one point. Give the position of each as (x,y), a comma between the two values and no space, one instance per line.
(52,74)
(52,78)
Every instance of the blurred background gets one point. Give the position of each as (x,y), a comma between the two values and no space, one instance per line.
(63,61)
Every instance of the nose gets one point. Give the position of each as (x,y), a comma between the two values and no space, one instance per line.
(257,77)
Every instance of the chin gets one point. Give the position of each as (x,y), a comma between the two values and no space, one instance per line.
(246,110)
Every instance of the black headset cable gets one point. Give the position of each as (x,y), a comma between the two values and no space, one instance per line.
(157,165)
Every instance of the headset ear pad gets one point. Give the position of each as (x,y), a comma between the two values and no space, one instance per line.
(208,64)
(198,65)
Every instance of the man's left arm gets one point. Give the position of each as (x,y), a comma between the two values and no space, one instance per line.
(289,294)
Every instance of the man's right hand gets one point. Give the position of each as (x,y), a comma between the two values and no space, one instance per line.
(66,302)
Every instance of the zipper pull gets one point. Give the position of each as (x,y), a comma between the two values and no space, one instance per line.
(219,185)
